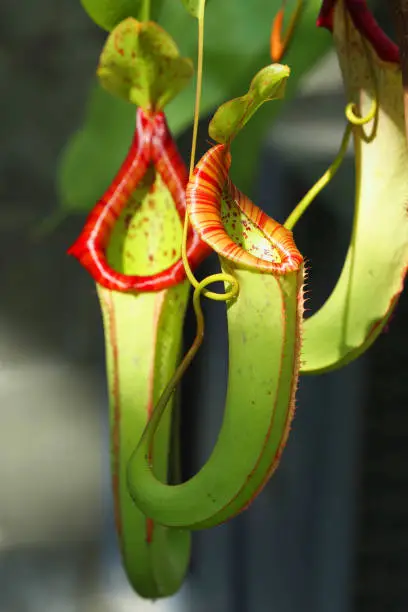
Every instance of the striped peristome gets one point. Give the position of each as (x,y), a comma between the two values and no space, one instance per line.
(211,194)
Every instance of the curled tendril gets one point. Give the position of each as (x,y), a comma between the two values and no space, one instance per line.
(223,277)
(199,286)
(179,373)
(228,278)
(355,119)
(305,202)
(351,109)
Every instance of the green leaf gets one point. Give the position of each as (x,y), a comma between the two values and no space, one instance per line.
(141,63)
(108,13)
(268,84)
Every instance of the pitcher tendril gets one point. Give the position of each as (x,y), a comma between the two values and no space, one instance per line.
(163,401)
(199,286)
(226,278)
(324,180)
(351,108)
(354,120)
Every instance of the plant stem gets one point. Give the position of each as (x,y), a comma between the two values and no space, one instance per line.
(199,84)
(145,11)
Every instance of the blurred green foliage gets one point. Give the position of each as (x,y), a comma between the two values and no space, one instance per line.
(193,6)
(236,47)
(108,13)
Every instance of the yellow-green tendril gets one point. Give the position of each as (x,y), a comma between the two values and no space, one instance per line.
(199,286)
(226,278)
(179,373)
(351,109)
(320,184)
(354,120)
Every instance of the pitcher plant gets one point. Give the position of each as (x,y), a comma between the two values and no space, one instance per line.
(146,236)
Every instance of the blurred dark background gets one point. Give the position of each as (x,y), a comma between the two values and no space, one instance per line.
(330,532)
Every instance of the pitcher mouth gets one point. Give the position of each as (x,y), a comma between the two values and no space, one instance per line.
(232,225)
(282,256)
(365,23)
(153,148)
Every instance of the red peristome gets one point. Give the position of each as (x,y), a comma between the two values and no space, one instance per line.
(152,144)
(365,23)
